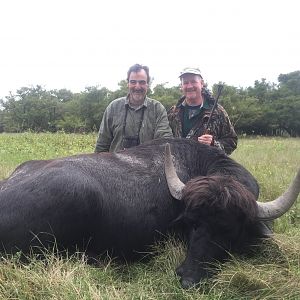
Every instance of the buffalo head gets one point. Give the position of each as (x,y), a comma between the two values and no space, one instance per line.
(223,215)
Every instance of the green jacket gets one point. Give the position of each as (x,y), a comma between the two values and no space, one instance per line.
(154,124)
(221,128)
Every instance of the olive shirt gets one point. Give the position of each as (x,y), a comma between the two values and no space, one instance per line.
(190,122)
(154,124)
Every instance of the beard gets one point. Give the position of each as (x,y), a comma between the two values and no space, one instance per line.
(193,97)
(137,96)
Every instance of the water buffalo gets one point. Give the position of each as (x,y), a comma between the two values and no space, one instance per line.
(123,202)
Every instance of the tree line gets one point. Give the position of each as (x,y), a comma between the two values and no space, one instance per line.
(262,109)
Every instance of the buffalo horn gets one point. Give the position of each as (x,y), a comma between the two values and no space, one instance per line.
(276,208)
(174,183)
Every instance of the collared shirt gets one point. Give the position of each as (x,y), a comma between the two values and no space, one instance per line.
(154,124)
(221,128)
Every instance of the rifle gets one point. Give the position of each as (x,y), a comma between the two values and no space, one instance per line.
(220,88)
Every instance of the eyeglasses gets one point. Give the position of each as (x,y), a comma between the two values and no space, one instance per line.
(140,82)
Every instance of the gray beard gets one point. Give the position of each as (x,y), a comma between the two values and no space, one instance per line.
(136,100)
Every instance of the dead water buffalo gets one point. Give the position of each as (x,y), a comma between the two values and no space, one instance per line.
(123,202)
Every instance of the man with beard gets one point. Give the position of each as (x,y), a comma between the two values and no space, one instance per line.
(189,117)
(134,119)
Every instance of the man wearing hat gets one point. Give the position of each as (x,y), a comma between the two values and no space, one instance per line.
(188,118)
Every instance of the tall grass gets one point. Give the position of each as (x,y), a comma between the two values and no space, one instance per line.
(274,162)
(272,273)
(17,148)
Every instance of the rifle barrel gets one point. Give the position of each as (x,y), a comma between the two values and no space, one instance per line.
(220,88)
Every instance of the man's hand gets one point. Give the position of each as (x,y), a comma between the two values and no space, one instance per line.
(206,139)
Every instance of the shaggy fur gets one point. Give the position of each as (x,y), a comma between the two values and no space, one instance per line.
(215,194)
(222,213)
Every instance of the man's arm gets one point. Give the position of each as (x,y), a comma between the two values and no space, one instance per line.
(105,135)
(162,128)
(227,138)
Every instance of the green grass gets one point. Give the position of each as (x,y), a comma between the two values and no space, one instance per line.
(272,273)
(17,148)
(274,162)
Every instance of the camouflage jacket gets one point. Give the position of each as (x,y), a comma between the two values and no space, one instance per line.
(221,128)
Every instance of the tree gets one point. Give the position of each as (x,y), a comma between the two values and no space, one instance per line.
(262,90)
(289,84)
(92,103)
(168,96)
(63,95)
(31,108)
(266,108)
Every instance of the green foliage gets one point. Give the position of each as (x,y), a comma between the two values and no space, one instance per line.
(30,109)
(290,83)
(168,96)
(91,103)
(261,90)
(264,109)
(121,92)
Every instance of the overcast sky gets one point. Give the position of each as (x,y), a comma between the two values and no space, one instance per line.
(74,44)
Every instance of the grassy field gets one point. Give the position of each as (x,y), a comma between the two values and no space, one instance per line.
(272,273)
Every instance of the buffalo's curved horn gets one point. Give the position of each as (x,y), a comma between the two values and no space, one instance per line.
(276,208)
(174,183)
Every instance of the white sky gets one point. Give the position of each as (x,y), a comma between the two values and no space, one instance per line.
(74,44)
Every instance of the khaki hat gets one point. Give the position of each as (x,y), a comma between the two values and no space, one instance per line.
(195,71)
